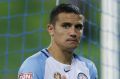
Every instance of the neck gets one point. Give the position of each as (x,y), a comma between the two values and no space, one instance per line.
(61,55)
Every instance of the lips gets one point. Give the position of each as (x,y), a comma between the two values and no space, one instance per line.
(72,40)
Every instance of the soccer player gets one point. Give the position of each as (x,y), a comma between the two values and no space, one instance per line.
(58,60)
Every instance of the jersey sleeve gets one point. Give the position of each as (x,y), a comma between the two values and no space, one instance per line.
(93,71)
(30,69)
(91,66)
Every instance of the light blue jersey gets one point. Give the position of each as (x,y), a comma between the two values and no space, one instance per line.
(43,66)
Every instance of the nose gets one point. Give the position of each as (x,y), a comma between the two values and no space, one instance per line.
(73,32)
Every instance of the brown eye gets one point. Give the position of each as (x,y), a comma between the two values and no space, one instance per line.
(66,25)
(79,26)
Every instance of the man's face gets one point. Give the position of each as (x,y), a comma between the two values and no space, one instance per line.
(67,31)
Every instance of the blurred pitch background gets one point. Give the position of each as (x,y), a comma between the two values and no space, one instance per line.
(23,32)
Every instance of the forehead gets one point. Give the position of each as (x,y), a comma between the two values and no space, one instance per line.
(70,17)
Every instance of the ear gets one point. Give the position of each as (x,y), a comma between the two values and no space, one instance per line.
(82,18)
(50,29)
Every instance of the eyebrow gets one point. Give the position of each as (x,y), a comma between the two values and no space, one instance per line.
(79,25)
(68,23)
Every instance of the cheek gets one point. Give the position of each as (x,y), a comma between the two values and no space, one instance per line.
(59,32)
(79,34)
(60,36)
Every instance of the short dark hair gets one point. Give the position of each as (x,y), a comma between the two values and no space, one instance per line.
(67,8)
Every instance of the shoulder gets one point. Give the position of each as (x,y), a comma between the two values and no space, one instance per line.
(90,65)
(35,60)
(34,64)
(88,62)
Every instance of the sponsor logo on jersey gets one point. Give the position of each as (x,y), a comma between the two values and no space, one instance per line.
(82,76)
(67,68)
(28,75)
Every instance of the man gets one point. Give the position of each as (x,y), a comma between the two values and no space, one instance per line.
(59,61)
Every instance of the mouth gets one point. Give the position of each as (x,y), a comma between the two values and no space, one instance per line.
(73,40)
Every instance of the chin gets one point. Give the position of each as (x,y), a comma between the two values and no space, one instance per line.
(72,48)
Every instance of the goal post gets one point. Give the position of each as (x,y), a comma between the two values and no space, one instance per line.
(109,40)
(57,2)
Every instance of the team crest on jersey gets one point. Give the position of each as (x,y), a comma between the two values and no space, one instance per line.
(82,76)
(28,75)
(57,75)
